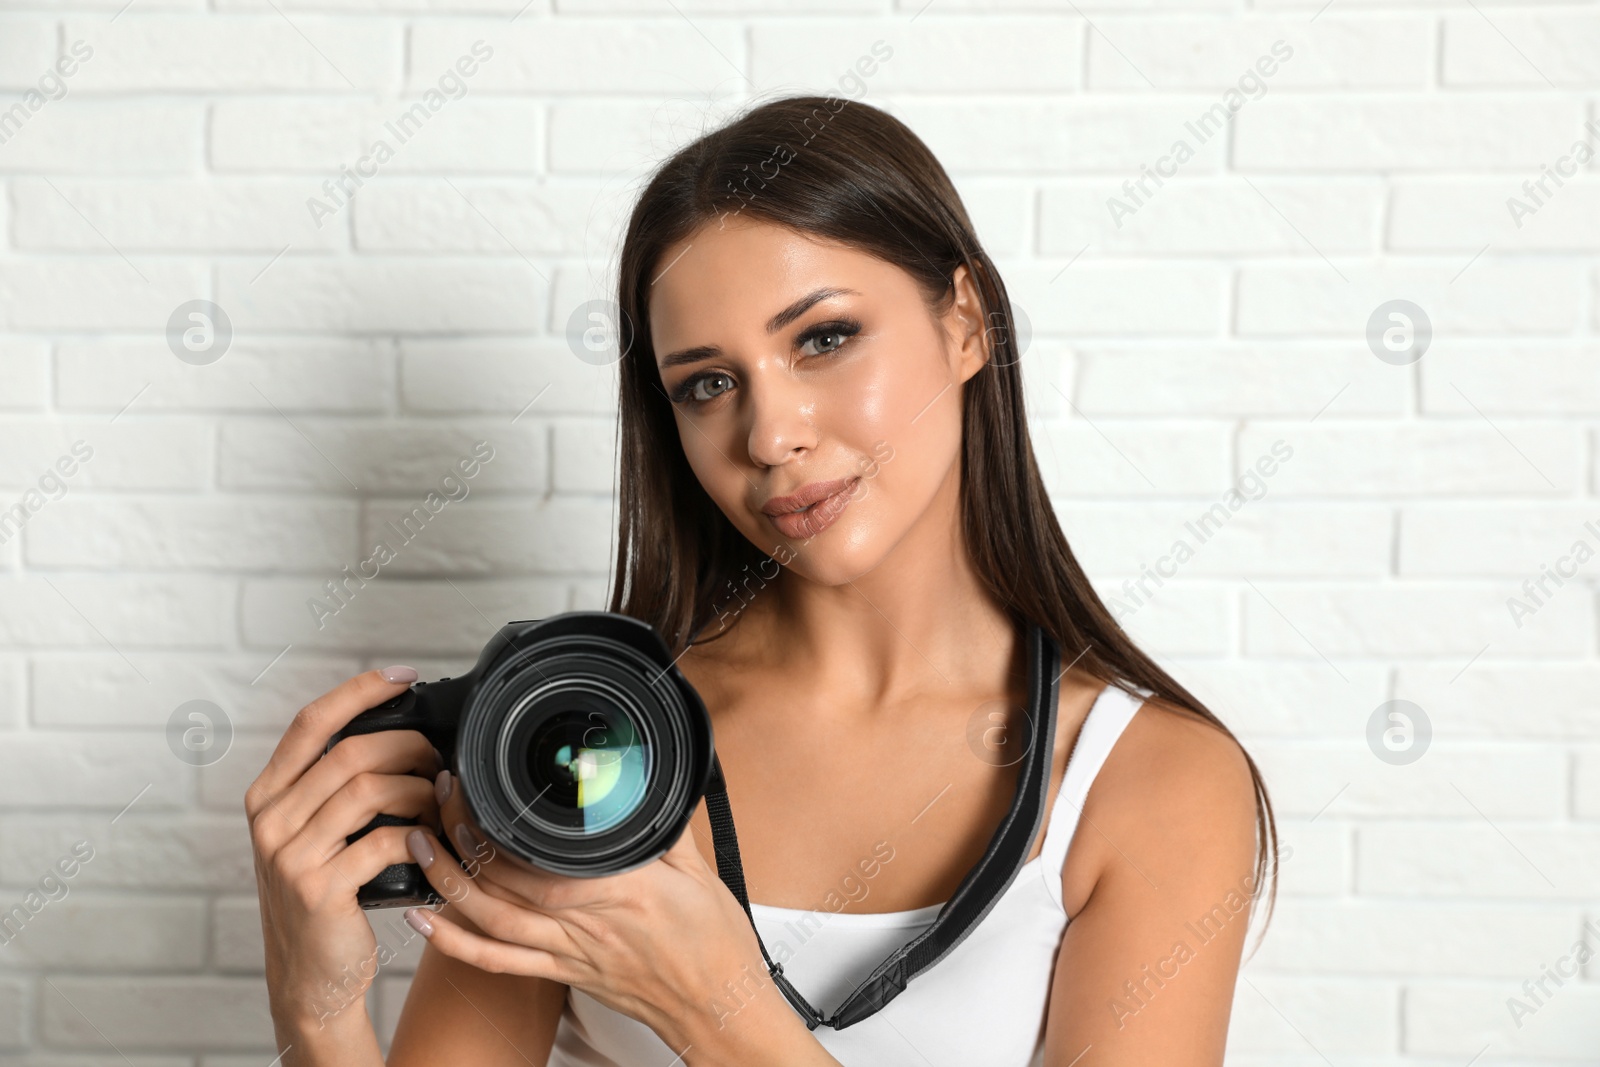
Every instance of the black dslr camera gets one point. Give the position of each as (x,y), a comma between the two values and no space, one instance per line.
(577,745)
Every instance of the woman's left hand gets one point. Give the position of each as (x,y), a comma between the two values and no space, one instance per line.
(664,943)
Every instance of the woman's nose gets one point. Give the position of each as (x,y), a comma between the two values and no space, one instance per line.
(782,422)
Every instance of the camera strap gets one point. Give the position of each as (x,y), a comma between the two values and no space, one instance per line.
(974,897)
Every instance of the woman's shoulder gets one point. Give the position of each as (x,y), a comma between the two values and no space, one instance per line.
(1173,799)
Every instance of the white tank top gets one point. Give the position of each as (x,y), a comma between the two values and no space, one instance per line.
(984,1003)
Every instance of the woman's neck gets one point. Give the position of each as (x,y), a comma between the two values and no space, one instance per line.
(921,620)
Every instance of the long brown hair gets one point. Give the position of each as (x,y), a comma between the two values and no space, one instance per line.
(871,183)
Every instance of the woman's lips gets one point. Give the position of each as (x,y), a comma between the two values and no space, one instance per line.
(803,525)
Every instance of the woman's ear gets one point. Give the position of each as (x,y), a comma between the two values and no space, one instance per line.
(965,324)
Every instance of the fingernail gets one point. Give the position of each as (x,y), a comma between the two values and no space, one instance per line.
(466,840)
(398,675)
(420,849)
(441,787)
(419,922)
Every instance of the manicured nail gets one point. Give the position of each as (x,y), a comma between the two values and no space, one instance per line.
(398,675)
(421,851)
(419,921)
(466,840)
(441,787)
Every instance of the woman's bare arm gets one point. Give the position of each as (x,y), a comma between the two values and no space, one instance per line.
(1161,872)
(458,1014)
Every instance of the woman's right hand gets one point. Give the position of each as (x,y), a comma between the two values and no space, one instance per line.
(320,951)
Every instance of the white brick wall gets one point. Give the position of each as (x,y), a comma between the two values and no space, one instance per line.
(1229,312)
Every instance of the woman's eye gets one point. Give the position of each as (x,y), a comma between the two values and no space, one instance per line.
(698,389)
(832,335)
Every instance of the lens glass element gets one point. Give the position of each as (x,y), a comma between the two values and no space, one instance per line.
(588,767)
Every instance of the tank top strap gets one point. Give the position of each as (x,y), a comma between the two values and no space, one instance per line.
(1110,714)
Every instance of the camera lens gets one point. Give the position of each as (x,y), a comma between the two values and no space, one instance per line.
(582,750)
(578,762)
(591,765)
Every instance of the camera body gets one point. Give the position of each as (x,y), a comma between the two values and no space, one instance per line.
(578,747)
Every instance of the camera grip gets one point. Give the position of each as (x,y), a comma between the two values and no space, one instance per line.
(399,884)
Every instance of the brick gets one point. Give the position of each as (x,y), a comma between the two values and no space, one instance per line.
(1279,1014)
(1261,538)
(61,1059)
(131,613)
(223,783)
(27,52)
(412,458)
(383,295)
(1414,937)
(241,53)
(264,375)
(1515,542)
(1214,216)
(1421,459)
(104,932)
(471,216)
(1261,698)
(53,770)
(1029,135)
(1448,1018)
(236,935)
(426,7)
(1506,860)
(13,1012)
(488,537)
(557,56)
(1089,5)
(434,617)
(156,1012)
(470,136)
(103,136)
(24,374)
(1119,299)
(1456,215)
(483,375)
(97,689)
(1488,298)
(861,59)
(240,534)
(1187,620)
(1001,214)
(232,215)
(583,457)
(1121,458)
(1511,380)
(1484,700)
(98,293)
(599,136)
(1214,54)
(1313,857)
(1412,619)
(13,693)
(1401,134)
(1586,783)
(125,455)
(1234,380)
(1308,777)
(1556,47)
(142,850)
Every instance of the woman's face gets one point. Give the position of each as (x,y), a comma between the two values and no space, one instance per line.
(797,366)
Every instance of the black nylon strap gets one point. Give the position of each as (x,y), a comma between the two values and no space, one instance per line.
(731,871)
(974,897)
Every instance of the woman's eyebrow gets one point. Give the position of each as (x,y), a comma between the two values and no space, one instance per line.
(774,324)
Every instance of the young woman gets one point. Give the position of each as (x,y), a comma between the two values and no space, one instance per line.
(831,511)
